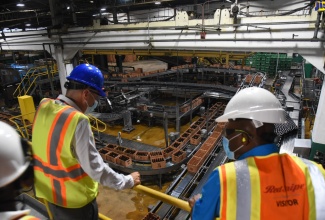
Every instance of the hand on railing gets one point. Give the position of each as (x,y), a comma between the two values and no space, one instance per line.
(136,178)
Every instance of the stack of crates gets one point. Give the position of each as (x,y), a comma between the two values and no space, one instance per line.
(267,62)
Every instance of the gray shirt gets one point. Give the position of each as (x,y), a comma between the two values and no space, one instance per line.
(84,149)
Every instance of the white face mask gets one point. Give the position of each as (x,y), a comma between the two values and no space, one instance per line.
(91,108)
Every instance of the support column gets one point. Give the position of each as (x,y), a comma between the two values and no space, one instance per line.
(63,68)
(119,62)
(165,123)
(57,18)
(318,137)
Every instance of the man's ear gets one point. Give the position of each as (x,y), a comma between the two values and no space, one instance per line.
(85,93)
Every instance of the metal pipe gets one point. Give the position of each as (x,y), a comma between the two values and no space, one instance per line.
(179,203)
(48,71)
(165,123)
(54,32)
(204,40)
(103,217)
(317,25)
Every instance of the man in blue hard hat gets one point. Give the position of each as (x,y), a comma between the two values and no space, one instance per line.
(68,166)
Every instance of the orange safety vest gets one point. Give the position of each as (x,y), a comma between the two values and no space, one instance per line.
(277,186)
(59,177)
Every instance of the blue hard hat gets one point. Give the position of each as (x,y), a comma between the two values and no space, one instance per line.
(89,75)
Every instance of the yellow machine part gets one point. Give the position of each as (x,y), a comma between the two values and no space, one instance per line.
(27,107)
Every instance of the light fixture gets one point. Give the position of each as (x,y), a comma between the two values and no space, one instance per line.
(27,25)
(91,1)
(20,4)
(68,7)
(157,2)
(103,9)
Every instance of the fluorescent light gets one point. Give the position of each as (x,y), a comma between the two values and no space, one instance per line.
(20,4)
(157,3)
(103,9)
(27,25)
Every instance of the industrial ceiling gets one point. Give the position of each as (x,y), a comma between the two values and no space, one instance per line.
(35,14)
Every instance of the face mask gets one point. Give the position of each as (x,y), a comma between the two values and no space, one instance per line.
(225,142)
(91,108)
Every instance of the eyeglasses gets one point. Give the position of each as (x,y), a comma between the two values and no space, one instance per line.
(96,93)
(230,131)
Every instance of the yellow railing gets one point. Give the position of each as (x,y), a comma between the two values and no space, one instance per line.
(96,123)
(179,203)
(31,76)
(22,127)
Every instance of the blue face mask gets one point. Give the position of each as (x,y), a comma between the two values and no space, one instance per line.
(91,108)
(225,142)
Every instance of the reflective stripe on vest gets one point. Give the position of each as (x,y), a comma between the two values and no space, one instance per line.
(60,168)
(318,181)
(271,187)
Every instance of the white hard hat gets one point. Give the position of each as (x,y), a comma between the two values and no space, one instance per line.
(13,161)
(254,103)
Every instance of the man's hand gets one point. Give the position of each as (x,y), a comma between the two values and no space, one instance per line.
(136,178)
(192,200)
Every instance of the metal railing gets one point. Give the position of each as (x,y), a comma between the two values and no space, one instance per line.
(97,124)
(22,127)
(179,203)
(32,75)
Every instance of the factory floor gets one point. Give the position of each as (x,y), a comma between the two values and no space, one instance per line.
(129,204)
(126,204)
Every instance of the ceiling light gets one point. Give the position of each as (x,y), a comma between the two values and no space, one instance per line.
(68,7)
(103,9)
(157,3)
(91,1)
(20,4)
(28,25)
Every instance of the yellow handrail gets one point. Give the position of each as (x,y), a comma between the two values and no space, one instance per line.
(97,123)
(103,217)
(33,82)
(23,130)
(32,73)
(179,203)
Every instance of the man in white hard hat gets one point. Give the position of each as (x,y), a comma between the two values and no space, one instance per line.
(261,183)
(16,172)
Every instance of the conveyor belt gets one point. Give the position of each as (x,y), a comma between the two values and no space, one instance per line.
(287,144)
(218,160)
(110,139)
(184,185)
(189,180)
(225,91)
(290,100)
